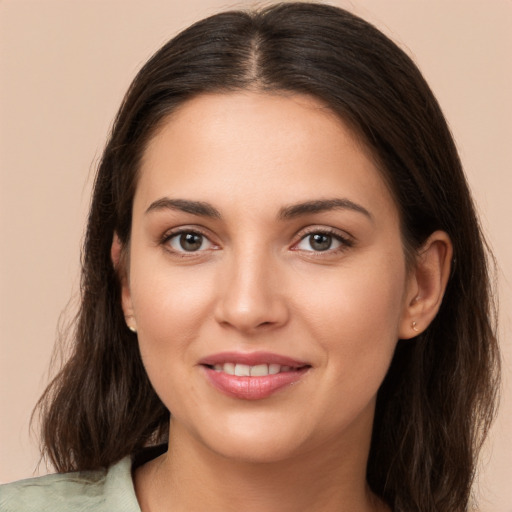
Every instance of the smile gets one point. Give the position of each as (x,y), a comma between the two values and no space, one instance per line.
(252,376)
(244,370)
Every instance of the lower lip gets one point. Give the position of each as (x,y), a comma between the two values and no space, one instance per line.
(252,388)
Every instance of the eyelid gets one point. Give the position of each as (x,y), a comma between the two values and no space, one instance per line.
(175,232)
(345,239)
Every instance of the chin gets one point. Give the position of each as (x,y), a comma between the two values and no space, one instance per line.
(253,444)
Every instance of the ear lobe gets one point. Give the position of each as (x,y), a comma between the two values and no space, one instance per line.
(427,284)
(118,258)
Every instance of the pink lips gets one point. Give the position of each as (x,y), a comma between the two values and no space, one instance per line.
(252,387)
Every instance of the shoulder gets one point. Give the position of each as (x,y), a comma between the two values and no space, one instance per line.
(92,491)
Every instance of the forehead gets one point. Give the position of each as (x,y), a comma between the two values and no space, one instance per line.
(250,146)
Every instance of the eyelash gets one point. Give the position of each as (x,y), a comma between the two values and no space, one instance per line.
(165,241)
(345,242)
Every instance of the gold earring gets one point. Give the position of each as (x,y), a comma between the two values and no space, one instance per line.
(414,327)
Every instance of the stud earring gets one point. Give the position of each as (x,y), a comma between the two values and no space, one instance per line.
(129,325)
(414,327)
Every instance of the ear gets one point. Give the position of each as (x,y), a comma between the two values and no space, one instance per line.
(119,260)
(426,285)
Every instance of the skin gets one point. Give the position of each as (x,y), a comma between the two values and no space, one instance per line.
(258,284)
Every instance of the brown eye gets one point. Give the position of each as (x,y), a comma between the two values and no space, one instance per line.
(189,242)
(320,242)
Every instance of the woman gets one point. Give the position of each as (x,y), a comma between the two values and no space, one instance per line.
(281,251)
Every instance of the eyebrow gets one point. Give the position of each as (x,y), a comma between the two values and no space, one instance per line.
(194,207)
(321,205)
(204,209)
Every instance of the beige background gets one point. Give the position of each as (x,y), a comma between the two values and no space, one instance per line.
(64,66)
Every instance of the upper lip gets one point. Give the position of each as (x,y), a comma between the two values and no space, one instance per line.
(251,359)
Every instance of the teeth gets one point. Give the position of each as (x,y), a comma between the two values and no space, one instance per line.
(244,370)
(274,368)
(259,370)
(229,368)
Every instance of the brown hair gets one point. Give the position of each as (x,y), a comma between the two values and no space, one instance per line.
(436,403)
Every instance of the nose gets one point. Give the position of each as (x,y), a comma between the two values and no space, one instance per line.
(251,295)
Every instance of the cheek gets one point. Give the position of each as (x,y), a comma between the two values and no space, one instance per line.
(368,292)
(353,318)
(354,313)
(169,304)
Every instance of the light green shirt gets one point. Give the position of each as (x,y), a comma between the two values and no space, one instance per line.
(84,491)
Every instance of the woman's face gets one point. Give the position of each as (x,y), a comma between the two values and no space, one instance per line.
(264,243)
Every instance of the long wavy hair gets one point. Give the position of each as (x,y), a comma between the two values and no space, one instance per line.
(438,398)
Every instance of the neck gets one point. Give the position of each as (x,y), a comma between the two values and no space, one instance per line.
(192,477)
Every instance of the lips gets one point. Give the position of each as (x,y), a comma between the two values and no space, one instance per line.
(253,376)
